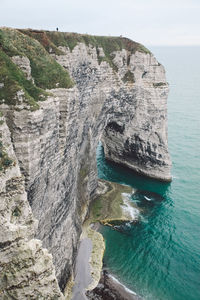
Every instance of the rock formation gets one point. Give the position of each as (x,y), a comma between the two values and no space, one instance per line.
(117,93)
(27,270)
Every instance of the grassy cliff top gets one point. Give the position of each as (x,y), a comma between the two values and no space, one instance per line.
(53,39)
(45,71)
(37,45)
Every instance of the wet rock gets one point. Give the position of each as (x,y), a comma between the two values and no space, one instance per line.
(110,289)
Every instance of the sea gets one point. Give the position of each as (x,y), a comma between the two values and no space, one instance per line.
(158,257)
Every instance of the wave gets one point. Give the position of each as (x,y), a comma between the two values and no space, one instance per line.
(118,282)
(128,209)
(148,199)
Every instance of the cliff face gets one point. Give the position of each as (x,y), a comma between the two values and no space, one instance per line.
(137,135)
(27,270)
(118,95)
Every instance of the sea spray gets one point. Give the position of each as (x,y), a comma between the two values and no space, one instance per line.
(128,209)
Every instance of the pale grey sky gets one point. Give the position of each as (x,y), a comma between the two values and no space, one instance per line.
(151,22)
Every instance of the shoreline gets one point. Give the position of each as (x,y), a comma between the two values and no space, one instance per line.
(110,288)
(89,262)
(111,206)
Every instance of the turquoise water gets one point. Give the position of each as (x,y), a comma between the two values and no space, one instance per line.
(159,257)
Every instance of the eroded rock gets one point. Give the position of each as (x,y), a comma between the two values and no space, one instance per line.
(56,144)
(26,269)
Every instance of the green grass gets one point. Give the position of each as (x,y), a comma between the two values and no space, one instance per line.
(42,37)
(47,73)
(108,43)
(14,80)
(51,40)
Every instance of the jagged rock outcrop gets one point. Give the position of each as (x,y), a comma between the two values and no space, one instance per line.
(26,269)
(119,96)
(137,135)
(24,64)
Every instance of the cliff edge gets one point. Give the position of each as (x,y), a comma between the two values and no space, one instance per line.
(60,94)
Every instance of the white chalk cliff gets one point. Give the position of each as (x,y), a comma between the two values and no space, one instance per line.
(123,104)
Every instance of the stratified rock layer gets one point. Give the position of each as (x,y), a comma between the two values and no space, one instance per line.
(121,102)
(137,134)
(26,269)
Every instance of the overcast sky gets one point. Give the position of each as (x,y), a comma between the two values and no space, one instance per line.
(151,22)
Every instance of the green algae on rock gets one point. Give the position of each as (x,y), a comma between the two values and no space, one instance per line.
(108,207)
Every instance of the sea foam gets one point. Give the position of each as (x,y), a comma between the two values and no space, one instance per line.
(118,282)
(128,209)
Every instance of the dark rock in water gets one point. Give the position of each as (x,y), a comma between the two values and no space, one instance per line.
(110,289)
(147,198)
(151,196)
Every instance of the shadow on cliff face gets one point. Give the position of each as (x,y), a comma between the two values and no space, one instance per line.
(149,195)
(111,171)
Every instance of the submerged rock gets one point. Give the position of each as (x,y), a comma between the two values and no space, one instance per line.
(112,205)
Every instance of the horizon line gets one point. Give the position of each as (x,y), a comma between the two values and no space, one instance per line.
(172,45)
